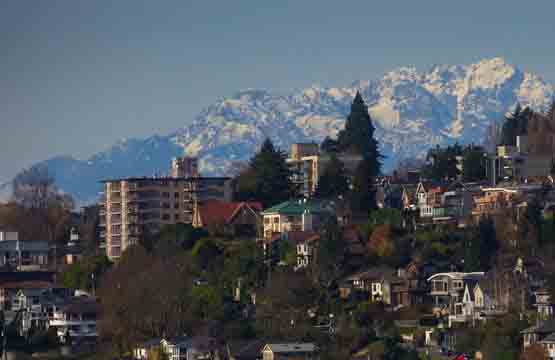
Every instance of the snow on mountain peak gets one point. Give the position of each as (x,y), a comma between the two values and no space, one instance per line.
(412,111)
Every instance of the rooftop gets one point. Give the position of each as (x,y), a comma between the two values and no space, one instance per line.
(291,347)
(297,207)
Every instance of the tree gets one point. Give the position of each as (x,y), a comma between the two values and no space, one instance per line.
(358,138)
(443,162)
(268,178)
(481,246)
(362,196)
(515,124)
(381,242)
(333,181)
(329,255)
(358,135)
(41,210)
(474,164)
(329,145)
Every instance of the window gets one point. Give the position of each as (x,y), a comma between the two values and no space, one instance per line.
(165,194)
(176,195)
(176,205)
(165,217)
(276,220)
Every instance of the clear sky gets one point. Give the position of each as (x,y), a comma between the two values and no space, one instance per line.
(78,75)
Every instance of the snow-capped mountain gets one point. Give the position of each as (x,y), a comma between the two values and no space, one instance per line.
(412,111)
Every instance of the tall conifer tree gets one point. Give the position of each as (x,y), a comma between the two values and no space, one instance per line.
(358,138)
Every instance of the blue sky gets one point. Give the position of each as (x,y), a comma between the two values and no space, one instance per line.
(78,75)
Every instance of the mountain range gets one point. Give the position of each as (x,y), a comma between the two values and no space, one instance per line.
(412,111)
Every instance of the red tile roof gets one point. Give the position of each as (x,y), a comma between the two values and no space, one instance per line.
(218,212)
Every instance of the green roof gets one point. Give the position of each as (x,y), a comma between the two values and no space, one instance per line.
(297,207)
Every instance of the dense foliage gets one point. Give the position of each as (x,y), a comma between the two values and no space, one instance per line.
(267,178)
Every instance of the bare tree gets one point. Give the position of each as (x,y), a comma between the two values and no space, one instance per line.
(38,209)
(34,188)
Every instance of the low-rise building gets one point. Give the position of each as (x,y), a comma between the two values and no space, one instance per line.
(298,351)
(295,215)
(237,218)
(24,255)
(76,321)
(456,294)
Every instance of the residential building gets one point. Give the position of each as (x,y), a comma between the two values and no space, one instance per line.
(190,348)
(237,218)
(11,282)
(306,243)
(132,207)
(307,163)
(23,255)
(535,334)
(297,351)
(376,282)
(549,345)
(143,350)
(447,290)
(491,201)
(184,166)
(76,320)
(295,215)
(543,303)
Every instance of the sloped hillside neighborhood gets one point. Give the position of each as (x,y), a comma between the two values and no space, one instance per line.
(313,253)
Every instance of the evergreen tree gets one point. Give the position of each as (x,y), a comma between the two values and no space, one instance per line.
(474,164)
(268,178)
(358,136)
(362,195)
(329,145)
(443,162)
(333,181)
(515,124)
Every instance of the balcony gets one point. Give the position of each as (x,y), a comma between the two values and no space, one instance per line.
(439,288)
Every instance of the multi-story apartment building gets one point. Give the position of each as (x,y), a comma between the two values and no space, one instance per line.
(133,207)
(306,163)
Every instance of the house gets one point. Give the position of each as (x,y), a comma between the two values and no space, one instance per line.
(429,199)
(537,333)
(543,303)
(11,282)
(175,348)
(76,320)
(408,196)
(448,293)
(297,351)
(37,307)
(144,349)
(245,350)
(305,243)
(295,215)
(190,348)
(549,345)
(491,201)
(476,303)
(376,282)
(407,287)
(24,255)
(238,218)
